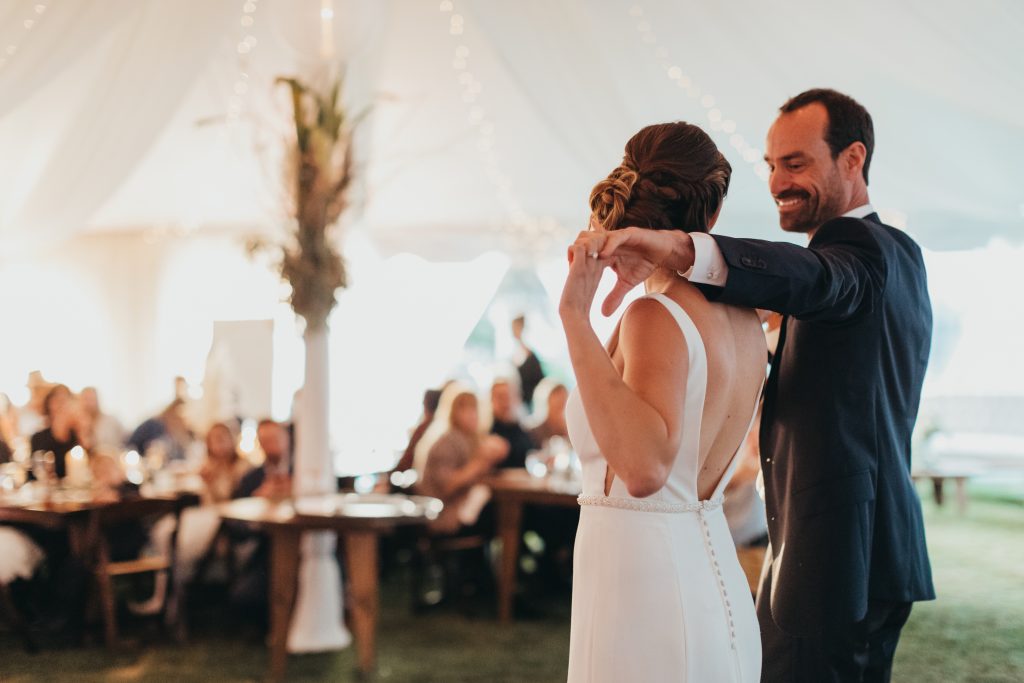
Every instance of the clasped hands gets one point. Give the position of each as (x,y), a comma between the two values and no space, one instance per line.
(633,253)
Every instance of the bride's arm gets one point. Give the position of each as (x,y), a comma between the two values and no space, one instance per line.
(636,418)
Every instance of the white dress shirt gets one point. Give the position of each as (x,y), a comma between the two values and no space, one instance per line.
(709,266)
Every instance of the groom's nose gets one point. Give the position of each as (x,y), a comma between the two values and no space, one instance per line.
(779,182)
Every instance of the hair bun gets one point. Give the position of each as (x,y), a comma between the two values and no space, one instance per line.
(609,197)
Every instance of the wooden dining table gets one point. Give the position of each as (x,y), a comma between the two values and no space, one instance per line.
(359,519)
(82,513)
(512,489)
(77,512)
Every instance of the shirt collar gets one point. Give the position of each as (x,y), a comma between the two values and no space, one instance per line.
(862,211)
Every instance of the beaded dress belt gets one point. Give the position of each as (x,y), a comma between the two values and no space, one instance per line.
(650,505)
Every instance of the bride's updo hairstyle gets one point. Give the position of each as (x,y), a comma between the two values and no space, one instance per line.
(672,177)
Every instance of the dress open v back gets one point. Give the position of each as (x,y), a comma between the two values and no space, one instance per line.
(658,592)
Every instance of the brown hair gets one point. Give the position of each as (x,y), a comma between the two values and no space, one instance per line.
(848,121)
(50,396)
(672,177)
(217,426)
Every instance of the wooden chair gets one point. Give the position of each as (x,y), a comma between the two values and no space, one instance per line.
(445,551)
(106,570)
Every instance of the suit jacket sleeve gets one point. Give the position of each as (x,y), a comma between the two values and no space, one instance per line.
(839,275)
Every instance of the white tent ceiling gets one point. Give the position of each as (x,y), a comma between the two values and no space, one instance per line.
(492,120)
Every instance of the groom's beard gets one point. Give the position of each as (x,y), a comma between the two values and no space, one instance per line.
(815,209)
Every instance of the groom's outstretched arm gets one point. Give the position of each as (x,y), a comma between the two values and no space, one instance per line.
(841,273)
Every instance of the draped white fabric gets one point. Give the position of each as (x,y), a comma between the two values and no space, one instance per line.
(133,93)
(99,103)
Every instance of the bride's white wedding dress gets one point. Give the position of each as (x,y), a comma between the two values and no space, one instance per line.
(658,593)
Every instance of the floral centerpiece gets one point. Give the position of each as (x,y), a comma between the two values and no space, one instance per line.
(319,172)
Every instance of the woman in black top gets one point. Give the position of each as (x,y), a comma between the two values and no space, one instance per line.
(60,435)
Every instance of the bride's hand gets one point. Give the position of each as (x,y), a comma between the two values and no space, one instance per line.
(634,253)
(585,270)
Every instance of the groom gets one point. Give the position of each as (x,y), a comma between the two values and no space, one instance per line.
(847,556)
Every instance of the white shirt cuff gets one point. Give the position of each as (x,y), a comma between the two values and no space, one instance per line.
(709,266)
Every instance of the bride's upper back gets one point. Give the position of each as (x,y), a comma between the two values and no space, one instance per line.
(736,363)
(673,177)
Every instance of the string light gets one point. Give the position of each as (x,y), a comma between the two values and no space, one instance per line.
(244,48)
(27,24)
(540,233)
(717,120)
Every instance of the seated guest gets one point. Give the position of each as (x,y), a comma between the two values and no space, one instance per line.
(270,480)
(431,398)
(101,431)
(61,432)
(273,478)
(197,527)
(8,422)
(505,423)
(224,468)
(169,427)
(8,426)
(457,460)
(549,412)
(30,418)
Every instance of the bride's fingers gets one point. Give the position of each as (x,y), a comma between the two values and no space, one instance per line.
(593,242)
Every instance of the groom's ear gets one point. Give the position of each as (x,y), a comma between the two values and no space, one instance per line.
(852,159)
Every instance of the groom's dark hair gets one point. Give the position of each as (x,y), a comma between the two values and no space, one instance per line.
(848,121)
(672,177)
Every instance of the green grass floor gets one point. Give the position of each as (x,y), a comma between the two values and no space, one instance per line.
(974,633)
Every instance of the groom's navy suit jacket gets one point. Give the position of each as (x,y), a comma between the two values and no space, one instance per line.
(840,404)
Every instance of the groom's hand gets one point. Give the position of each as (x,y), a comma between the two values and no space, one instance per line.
(634,253)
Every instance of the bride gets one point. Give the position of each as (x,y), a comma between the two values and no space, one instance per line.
(657,418)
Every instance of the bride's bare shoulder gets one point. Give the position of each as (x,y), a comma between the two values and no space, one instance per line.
(648,323)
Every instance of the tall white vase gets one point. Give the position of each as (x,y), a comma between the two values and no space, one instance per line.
(317,623)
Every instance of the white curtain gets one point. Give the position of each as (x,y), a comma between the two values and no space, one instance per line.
(156,51)
(52,40)
(552,55)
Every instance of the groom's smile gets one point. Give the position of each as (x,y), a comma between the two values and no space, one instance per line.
(805,180)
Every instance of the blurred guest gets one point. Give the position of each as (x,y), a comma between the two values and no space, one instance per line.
(168,428)
(61,432)
(458,460)
(549,412)
(505,423)
(8,420)
(273,479)
(527,363)
(105,432)
(224,468)
(30,416)
(431,398)
(197,527)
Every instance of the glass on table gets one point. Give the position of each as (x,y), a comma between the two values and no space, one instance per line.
(536,463)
